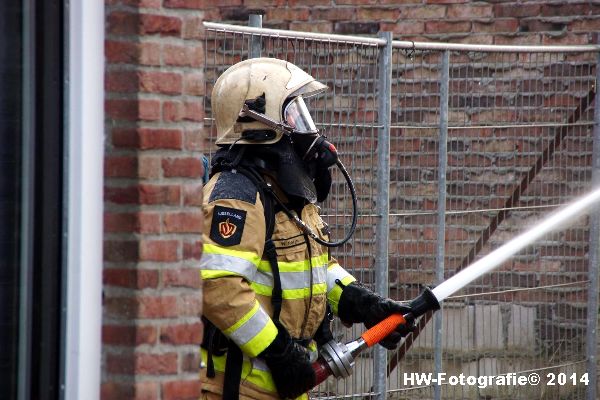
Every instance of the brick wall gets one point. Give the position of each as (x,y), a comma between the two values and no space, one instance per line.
(152,217)
(154,133)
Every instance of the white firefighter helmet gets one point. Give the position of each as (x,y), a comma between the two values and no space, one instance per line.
(277,79)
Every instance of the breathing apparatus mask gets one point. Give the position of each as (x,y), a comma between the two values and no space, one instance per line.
(315,151)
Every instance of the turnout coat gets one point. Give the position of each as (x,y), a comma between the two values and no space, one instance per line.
(238,281)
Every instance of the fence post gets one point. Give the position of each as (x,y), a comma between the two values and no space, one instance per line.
(592,304)
(255,45)
(384,89)
(441,210)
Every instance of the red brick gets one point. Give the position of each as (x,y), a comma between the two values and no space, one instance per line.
(564,9)
(160,24)
(150,138)
(121,195)
(124,137)
(159,194)
(146,53)
(121,81)
(520,10)
(377,14)
(192,250)
(129,391)
(438,27)
(150,53)
(193,111)
(121,52)
(566,39)
(143,222)
(159,250)
(142,363)
(329,14)
(445,1)
(172,111)
(119,335)
(181,390)
(531,39)
(181,334)
(190,305)
(192,194)
(148,167)
(120,307)
(317,26)
(120,251)
(129,278)
(193,28)
(189,167)
(497,25)
(160,82)
(194,84)
(123,222)
(587,25)
(199,4)
(290,14)
(184,55)
(123,23)
(157,306)
(424,12)
(196,140)
(189,278)
(404,27)
(132,110)
(120,167)
(183,222)
(464,11)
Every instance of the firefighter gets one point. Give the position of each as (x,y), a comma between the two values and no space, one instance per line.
(271,287)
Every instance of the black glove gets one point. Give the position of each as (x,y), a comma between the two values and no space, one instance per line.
(290,365)
(359,304)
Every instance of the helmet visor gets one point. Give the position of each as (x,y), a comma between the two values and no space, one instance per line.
(297,116)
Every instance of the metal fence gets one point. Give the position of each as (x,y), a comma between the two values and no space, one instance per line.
(454,149)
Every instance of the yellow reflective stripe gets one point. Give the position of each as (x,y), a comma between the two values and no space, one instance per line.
(246,255)
(261,340)
(289,294)
(294,266)
(244,319)
(334,291)
(253,332)
(210,274)
(255,376)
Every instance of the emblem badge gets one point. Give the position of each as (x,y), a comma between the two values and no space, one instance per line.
(227,229)
(227,226)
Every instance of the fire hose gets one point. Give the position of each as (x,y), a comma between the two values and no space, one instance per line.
(337,359)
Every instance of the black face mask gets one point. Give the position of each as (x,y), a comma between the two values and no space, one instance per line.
(318,155)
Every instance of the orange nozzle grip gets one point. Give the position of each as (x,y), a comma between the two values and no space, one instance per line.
(378,332)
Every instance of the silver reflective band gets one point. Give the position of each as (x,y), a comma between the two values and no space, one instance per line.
(333,273)
(222,262)
(249,329)
(292,280)
(297,116)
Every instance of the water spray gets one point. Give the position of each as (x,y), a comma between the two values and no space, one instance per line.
(337,359)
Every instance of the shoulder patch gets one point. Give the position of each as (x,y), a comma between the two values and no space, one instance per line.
(227,225)
(234,186)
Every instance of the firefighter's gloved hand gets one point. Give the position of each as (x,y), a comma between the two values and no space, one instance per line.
(359,304)
(290,365)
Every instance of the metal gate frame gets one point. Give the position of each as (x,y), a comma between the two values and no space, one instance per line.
(385,43)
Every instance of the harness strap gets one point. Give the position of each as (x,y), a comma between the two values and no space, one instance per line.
(277,294)
(233,373)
